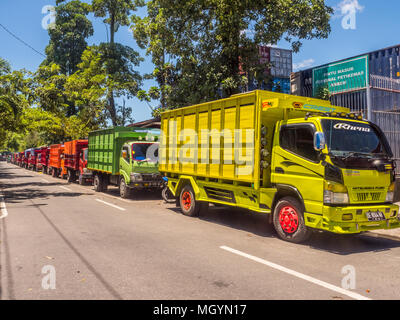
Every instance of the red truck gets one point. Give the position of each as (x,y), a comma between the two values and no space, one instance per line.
(42,161)
(15,157)
(85,175)
(75,161)
(32,159)
(25,159)
(56,162)
(20,159)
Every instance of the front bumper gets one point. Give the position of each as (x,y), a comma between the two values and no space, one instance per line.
(332,219)
(148,181)
(145,184)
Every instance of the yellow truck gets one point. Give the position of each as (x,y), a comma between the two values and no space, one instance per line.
(306,163)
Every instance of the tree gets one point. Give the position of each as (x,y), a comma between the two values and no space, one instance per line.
(118,59)
(105,72)
(14,99)
(150,34)
(68,37)
(4,66)
(323,93)
(48,90)
(213,43)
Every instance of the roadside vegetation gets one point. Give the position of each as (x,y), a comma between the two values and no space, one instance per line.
(201,50)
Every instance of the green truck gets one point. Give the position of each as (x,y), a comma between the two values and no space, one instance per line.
(124,157)
(306,163)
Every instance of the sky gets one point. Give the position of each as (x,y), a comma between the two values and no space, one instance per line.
(358,26)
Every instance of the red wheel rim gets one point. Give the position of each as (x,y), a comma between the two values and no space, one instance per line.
(186,200)
(289,219)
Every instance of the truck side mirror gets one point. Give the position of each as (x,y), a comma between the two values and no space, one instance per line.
(319,141)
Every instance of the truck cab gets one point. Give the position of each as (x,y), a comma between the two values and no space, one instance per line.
(85,174)
(139,165)
(339,168)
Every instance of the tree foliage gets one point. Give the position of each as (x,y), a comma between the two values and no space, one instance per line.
(201,50)
(68,37)
(212,44)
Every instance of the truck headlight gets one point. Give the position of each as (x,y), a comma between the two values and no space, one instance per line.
(335,193)
(136,177)
(390,193)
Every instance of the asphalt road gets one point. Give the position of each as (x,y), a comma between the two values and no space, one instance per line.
(65,241)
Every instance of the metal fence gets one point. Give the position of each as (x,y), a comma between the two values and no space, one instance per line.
(389,123)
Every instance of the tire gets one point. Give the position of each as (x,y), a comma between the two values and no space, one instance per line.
(288,220)
(98,183)
(44,171)
(124,190)
(167,195)
(71,176)
(189,206)
(81,180)
(104,184)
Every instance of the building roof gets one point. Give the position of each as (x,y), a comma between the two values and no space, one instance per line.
(151,123)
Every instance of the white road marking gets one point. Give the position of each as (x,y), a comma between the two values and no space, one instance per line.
(297,274)
(65,188)
(44,180)
(111,205)
(103,194)
(3,208)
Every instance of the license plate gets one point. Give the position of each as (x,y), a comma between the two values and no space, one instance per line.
(375,216)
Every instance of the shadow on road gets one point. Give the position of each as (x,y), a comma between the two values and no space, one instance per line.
(350,244)
(258,224)
(139,195)
(19,195)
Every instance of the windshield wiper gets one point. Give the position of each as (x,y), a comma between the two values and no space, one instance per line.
(357,154)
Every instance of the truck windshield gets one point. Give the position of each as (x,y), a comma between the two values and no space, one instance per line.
(352,139)
(139,151)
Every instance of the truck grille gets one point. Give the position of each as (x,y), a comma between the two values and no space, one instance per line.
(368,196)
(151,177)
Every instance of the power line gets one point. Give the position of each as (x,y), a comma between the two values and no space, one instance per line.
(22,41)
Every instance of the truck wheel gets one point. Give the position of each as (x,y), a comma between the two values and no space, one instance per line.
(104,183)
(124,190)
(288,221)
(81,180)
(97,183)
(71,176)
(189,206)
(167,195)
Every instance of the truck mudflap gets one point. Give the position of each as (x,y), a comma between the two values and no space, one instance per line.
(355,219)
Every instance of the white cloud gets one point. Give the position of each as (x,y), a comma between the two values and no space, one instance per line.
(303,64)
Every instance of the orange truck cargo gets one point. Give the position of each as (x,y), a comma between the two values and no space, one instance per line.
(56,163)
(73,160)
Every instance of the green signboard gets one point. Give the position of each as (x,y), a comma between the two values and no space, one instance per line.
(342,76)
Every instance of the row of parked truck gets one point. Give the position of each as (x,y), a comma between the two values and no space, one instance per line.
(125,157)
(309,165)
